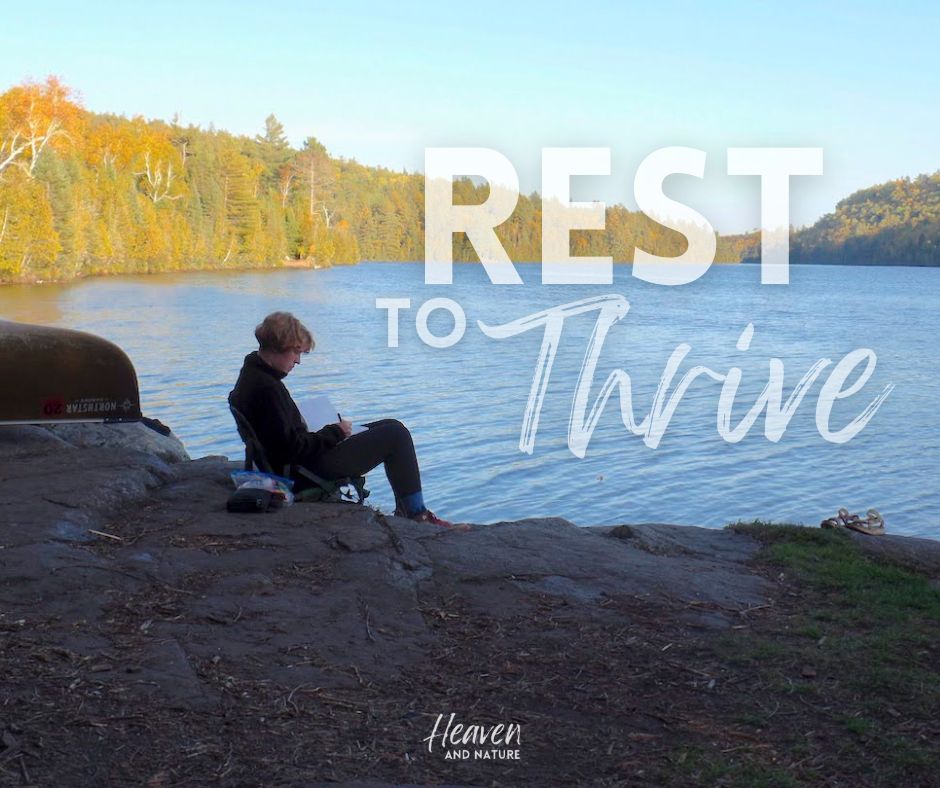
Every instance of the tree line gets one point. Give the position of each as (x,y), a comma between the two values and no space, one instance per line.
(83,193)
(893,223)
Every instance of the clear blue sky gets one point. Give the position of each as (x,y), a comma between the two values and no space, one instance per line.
(379,82)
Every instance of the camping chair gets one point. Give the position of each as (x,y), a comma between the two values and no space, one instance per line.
(326,490)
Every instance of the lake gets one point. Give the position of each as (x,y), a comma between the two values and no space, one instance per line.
(187,335)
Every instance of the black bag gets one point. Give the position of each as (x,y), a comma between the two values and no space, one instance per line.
(250,499)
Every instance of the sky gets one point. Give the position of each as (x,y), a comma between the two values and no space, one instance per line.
(379,82)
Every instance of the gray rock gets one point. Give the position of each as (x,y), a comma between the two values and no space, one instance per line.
(130,435)
(911,552)
(123,578)
(25,440)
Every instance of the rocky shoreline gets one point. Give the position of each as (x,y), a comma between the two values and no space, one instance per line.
(150,636)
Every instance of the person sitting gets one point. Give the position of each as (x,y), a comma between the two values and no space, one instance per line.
(331,452)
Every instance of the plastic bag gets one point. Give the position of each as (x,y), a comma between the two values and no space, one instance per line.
(278,486)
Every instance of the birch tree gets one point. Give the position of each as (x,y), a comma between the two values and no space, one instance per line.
(34,117)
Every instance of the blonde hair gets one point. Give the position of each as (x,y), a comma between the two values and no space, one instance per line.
(281,331)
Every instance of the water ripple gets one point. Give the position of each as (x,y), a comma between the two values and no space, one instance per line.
(187,336)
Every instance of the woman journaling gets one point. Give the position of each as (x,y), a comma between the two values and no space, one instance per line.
(332,452)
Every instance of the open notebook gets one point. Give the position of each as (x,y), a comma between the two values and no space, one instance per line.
(318,411)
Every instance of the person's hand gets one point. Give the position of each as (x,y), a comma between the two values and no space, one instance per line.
(346,427)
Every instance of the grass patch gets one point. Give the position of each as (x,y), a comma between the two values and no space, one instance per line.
(699,766)
(858,725)
(830,562)
(849,655)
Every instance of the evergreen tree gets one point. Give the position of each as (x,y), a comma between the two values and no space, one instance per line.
(273,150)
(94,193)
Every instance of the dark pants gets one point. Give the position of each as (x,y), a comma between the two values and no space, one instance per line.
(385,441)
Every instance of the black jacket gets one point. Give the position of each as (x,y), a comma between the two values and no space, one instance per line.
(264,400)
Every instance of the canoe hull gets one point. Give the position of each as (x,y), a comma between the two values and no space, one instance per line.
(51,375)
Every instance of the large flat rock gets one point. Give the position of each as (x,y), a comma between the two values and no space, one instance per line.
(142,553)
(126,582)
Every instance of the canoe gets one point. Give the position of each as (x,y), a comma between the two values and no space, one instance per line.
(50,375)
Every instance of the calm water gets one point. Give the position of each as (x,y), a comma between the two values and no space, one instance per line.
(187,335)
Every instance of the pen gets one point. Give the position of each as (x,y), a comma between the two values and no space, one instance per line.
(338,417)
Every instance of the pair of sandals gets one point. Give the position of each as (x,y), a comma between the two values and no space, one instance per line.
(872,524)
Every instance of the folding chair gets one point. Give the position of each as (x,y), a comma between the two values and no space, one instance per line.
(322,489)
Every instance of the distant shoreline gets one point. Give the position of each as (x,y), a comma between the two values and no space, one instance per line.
(301,265)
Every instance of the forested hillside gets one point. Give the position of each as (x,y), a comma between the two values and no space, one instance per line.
(894,223)
(83,193)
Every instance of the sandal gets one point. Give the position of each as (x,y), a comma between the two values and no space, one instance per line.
(841,520)
(872,525)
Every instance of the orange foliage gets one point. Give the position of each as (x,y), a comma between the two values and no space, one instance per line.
(35,116)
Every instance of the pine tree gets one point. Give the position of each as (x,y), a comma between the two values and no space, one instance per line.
(273,150)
